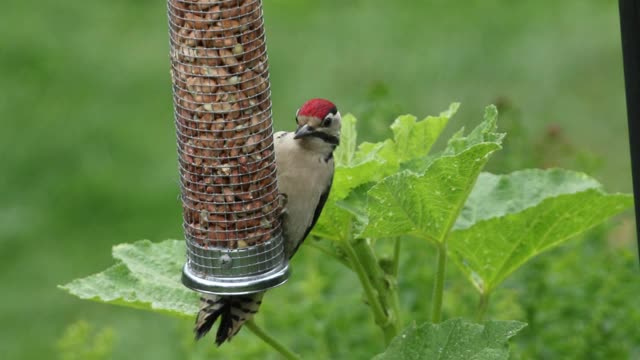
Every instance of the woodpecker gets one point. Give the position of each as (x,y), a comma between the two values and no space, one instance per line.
(304,161)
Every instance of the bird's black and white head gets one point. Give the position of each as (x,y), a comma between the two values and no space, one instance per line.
(318,125)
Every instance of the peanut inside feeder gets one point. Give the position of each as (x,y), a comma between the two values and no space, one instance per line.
(222,106)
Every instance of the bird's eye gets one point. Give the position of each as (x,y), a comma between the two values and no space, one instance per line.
(327,121)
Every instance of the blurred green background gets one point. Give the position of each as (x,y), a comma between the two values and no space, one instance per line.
(88,161)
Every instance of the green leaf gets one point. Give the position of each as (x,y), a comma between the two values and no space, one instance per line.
(411,139)
(485,132)
(152,262)
(81,341)
(453,339)
(384,149)
(499,195)
(345,179)
(147,277)
(414,139)
(371,162)
(333,224)
(458,143)
(344,154)
(354,168)
(426,204)
(356,205)
(509,219)
(341,218)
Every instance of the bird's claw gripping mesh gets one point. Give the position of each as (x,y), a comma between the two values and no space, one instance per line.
(222,106)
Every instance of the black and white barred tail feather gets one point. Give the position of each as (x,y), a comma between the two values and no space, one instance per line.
(233,312)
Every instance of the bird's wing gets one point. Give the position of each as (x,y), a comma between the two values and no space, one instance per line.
(316,215)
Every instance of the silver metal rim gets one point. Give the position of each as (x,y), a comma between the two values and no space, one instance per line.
(236,285)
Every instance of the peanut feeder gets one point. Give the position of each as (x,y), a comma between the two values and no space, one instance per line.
(222,104)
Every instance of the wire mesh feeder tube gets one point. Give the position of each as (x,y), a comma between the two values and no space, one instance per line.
(222,110)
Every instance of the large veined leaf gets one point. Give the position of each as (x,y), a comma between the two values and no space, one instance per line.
(426,204)
(370,162)
(496,195)
(508,219)
(412,139)
(353,169)
(454,339)
(345,152)
(334,222)
(357,165)
(147,277)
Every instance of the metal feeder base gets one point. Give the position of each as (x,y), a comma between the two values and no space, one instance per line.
(236,285)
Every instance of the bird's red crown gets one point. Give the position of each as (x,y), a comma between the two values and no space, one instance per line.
(318,108)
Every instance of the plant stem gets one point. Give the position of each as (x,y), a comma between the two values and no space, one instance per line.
(383,283)
(379,314)
(483,306)
(394,296)
(327,252)
(257,331)
(438,286)
(396,257)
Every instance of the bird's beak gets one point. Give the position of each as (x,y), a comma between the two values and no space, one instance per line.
(303,131)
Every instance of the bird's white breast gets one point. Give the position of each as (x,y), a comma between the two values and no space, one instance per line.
(303,175)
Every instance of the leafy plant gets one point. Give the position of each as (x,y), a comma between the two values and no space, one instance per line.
(81,341)
(589,321)
(489,225)
(471,341)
